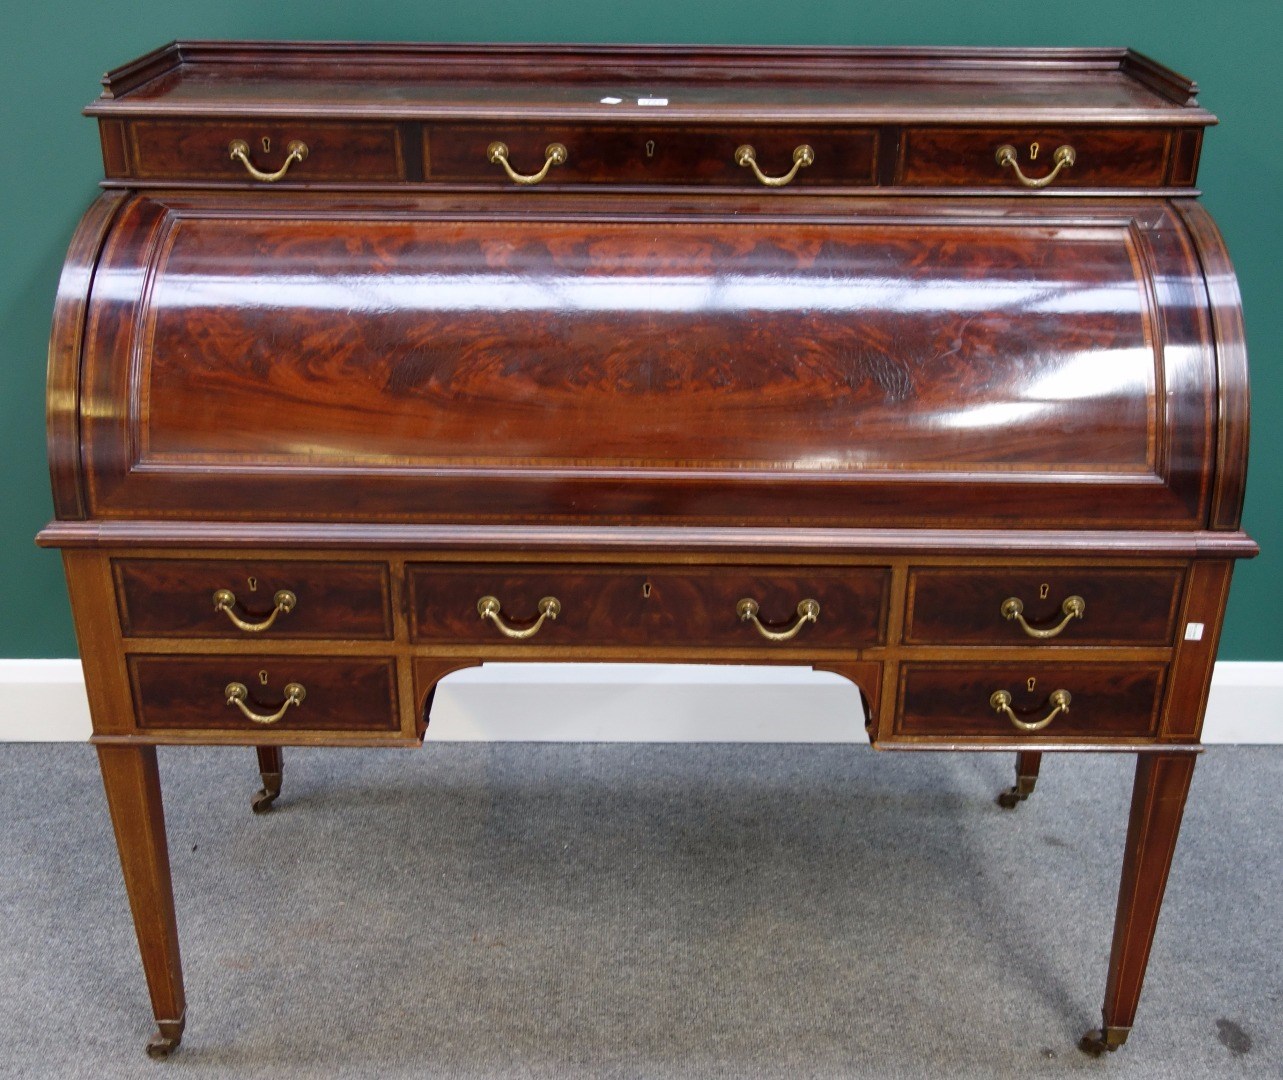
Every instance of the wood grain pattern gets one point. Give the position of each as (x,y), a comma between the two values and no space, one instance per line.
(1106,157)
(182,150)
(653,154)
(176,693)
(1234,409)
(627,336)
(964,606)
(952,700)
(174,597)
(819,363)
(658,606)
(62,393)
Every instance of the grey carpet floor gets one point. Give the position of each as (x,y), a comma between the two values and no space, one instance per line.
(506,911)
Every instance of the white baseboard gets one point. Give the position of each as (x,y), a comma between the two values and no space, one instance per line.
(44,701)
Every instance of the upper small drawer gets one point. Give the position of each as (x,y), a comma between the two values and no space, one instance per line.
(252,599)
(202,150)
(974,607)
(1101,157)
(638,154)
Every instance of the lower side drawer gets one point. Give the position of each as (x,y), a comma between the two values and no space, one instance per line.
(186,693)
(958,700)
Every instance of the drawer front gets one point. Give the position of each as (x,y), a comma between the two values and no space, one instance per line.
(176,598)
(1104,157)
(636,154)
(971,607)
(954,700)
(694,607)
(189,693)
(189,150)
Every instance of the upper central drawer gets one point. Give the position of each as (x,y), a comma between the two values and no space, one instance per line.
(614,605)
(636,154)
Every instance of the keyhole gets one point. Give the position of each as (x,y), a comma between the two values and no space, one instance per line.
(262,678)
(646,590)
(650,147)
(1033,151)
(253,583)
(267,145)
(1043,591)
(1030,683)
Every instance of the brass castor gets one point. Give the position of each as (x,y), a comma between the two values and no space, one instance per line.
(1014,796)
(1103,1040)
(166,1039)
(262,801)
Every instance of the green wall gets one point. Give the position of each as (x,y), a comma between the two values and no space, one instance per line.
(53,53)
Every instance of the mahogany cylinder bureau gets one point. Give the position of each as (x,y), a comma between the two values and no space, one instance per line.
(375,362)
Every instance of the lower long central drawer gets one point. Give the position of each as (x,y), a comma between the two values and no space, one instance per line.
(630,605)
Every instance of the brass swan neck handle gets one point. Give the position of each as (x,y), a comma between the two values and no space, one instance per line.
(1063,158)
(746,158)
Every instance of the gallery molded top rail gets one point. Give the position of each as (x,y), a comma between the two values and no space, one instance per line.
(416,81)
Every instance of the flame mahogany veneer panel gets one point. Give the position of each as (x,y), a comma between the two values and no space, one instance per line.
(952,700)
(199,151)
(652,153)
(344,694)
(413,366)
(174,597)
(634,605)
(1105,157)
(957,606)
(660,346)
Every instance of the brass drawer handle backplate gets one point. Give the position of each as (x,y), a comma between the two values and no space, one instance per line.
(488,608)
(808,611)
(1000,702)
(1074,607)
(237,694)
(1063,158)
(746,158)
(238,150)
(225,601)
(554,154)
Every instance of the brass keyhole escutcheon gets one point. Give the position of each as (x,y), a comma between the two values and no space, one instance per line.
(252,582)
(1030,683)
(650,148)
(267,145)
(646,590)
(1033,151)
(1044,591)
(262,678)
